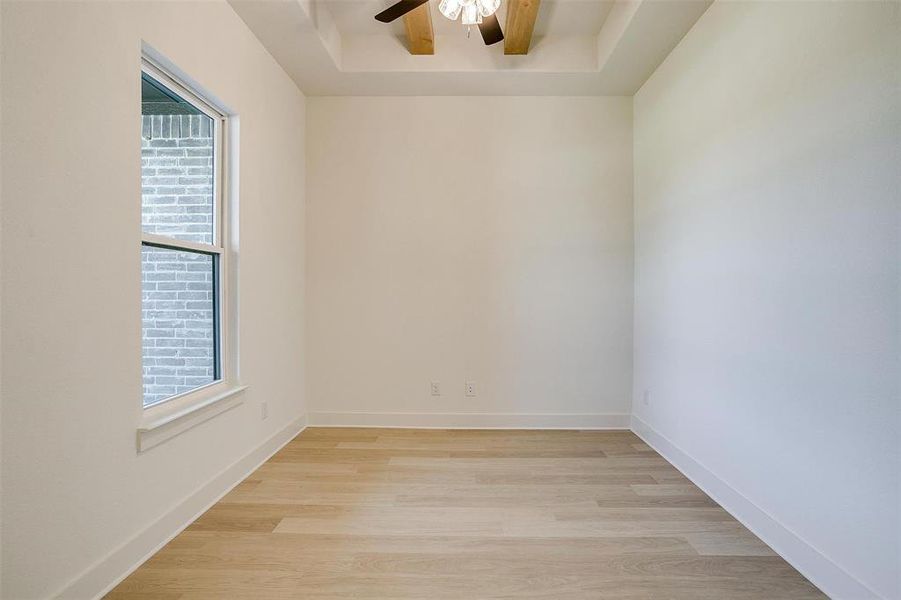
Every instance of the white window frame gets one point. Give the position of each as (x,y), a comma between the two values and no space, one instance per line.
(171,416)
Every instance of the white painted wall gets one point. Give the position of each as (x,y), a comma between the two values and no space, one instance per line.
(463,238)
(74,489)
(767,267)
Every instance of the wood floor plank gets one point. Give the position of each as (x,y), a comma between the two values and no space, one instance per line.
(459,514)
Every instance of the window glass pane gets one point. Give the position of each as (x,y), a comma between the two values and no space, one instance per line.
(180,349)
(176,165)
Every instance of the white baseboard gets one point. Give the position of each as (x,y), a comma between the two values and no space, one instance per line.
(105,574)
(810,562)
(470,420)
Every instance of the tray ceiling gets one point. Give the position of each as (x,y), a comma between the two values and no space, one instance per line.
(579,47)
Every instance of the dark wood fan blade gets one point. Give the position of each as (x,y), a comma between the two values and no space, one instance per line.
(491,30)
(398,10)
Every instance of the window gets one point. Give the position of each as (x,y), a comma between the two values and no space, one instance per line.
(183,242)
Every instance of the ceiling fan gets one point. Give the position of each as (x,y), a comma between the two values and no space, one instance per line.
(474,12)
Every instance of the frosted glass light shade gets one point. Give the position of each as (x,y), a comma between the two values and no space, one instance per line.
(471,14)
(450,8)
(488,7)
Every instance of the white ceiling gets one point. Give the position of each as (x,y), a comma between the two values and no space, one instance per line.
(579,47)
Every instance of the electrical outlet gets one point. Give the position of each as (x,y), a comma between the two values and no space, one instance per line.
(470,388)
(646,397)
(264,410)
(436,388)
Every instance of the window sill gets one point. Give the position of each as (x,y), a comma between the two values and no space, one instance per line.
(167,420)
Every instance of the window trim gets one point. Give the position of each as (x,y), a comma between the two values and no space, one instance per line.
(170,416)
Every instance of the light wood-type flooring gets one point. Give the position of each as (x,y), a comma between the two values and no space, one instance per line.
(465,514)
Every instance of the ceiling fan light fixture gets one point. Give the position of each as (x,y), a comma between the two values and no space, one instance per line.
(472,11)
